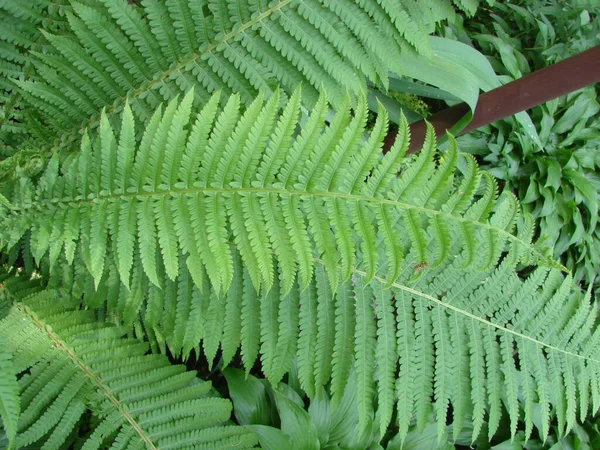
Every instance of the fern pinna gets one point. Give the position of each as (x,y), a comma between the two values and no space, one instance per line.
(300,243)
(148,51)
(74,363)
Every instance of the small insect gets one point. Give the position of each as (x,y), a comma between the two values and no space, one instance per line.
(420,266)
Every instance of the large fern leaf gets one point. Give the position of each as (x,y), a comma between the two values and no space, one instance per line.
(238,231)
(321,198)
(72,363)
(472,339)
(150,51)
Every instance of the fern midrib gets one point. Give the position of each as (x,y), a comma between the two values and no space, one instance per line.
(472,316)
(289,192)
(174,68)
(88,373)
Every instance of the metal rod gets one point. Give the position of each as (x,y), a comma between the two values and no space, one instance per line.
(531,90)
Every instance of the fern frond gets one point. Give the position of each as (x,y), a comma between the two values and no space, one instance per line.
(110,52)
(430,299)
(70,363)
(137,194)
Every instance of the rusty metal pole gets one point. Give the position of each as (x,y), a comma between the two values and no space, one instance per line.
(531,90)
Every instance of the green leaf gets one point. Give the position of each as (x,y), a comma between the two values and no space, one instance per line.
(76,366)
(271,438)
(5,202)
(426,439)
(296,423)
(400,84)
(579,232)
(554,174)
(532,193)
(585,193)
(250,400)
(148,52)
(455,68)
(445,74)
(431,213)
(469,58)
(585,106)
(508,54)
(529,128)
(319,411)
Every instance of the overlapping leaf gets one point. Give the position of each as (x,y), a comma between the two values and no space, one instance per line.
(71,363)
(249,185)
(245,231)
(149,51)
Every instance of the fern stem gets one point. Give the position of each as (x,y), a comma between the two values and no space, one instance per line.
(472,316)
(287,192)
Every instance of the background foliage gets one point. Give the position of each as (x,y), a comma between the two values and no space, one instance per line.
(552,166)
(557,181)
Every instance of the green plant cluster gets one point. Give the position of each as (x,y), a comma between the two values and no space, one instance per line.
(554,168)
(190,180)
(281,417)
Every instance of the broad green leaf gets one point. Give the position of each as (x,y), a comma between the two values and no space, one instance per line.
(421,440)
(319,411)
(467,57)
(532,193)
(529,128)
(400,84)
(250,399)
(508,54)
(554,174)
(455,68)
(445,74)
(585,106)
(271,438)
(295,422)
(584,193)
